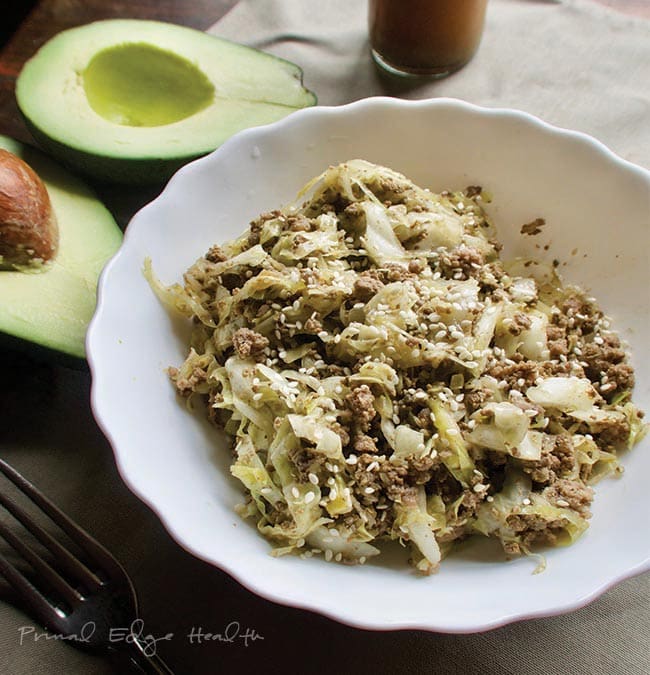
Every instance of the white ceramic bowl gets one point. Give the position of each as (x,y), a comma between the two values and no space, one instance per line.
(597,211)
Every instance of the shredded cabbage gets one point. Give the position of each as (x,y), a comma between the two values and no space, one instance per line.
(383,374)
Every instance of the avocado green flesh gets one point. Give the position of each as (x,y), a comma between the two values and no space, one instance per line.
(52,307)
(141,85)
(130,101)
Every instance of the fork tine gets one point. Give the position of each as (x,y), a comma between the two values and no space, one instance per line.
(32,597)
(42,568)
(90,546)
(64,558)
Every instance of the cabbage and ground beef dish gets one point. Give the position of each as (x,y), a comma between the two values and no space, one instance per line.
(384,375)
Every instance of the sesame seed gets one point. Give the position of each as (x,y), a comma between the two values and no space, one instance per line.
(369,490)
(352,460)
(257,397)
(526,501)
(328,554)
(295,492)
(562,502)
(313,478)
(309,497)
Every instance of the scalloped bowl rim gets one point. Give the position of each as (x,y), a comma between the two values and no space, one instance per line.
(353,615)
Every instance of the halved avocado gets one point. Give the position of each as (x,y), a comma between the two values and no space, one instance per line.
(130,101)
(52,307)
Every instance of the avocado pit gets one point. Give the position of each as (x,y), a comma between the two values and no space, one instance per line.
(29,234)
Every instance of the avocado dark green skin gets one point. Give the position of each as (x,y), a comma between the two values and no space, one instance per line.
(150,171)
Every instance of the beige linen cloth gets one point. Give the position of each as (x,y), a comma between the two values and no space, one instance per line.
(574,63)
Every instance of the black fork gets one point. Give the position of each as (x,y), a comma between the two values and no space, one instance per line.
(87,600)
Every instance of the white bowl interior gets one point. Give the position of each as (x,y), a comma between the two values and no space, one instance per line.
(596,208)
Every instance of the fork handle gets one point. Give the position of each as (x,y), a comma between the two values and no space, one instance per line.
(141,660)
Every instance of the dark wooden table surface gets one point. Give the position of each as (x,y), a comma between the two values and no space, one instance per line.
(37,402)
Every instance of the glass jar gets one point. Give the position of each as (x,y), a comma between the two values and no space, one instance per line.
(425,37)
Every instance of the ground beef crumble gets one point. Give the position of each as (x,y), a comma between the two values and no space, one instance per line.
(463,261)
(607,359)
(512,373)
(365,287)
(573,494)
(187,385)
(361,402)
(557,460)
(249,343)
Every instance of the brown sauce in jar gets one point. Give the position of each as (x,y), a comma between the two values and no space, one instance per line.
(425,37)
